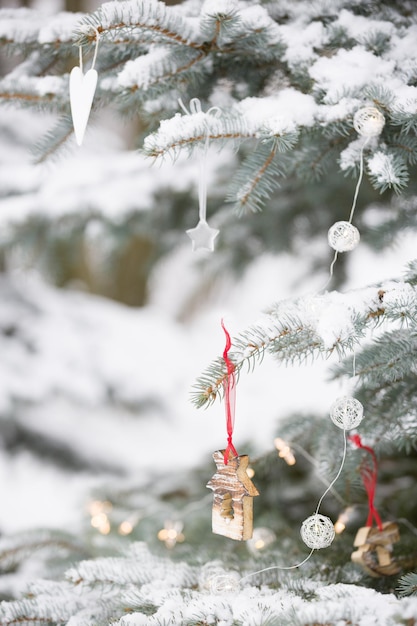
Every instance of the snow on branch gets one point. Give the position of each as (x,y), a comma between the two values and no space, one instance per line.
(229,25)
(27,27)
(138,567)
(309,327)
(143,20)
(187,131)
(276,117)
(388,170)
(169,597)
(14,549)
(157,67)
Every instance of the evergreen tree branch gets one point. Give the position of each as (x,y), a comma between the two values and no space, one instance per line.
(294,331)
(137,20)
(408,585)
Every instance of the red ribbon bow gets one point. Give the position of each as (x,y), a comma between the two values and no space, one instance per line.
(369,477)
(229,385)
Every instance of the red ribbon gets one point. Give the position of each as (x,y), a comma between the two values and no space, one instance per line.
(369,477)
(229,397)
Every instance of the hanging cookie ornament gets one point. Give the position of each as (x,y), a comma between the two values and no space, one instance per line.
(82,88)
(202,236)
(374,544)
(233,490)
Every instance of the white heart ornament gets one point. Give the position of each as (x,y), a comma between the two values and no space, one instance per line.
(82,88)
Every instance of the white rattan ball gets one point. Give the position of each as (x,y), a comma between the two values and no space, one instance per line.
(343,236)
(317,531)
(224,584)
(368,122)
(346,412)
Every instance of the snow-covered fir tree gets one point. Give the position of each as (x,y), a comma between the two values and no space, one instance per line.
(292,116)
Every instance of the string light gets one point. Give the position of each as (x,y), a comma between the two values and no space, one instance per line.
(342,520)
(171,534)
(262,538)
(125,528)
(284,451)
(99,515)
(250,472)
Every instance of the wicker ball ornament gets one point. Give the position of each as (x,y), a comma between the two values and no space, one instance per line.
(224,584)
(343,236)
(368,122)
(317,531)
(346,412)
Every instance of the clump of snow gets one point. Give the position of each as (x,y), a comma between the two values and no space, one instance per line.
(216,7)
(403,51)
(338,110)
(350,156)
(349,70)
(143,70)
(257,18)
(279,126)
(381,166)
(358,26)
(152,14)
(28,26)
(183,127)
(59,27)
(302,40)
(288,108)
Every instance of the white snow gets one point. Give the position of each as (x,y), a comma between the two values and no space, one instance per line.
(29,25)
(137,73)
(359,27)
(381,166)
(285,111)
(302,40)
(348,71)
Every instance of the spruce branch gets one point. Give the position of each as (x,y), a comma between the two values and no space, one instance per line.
(15,549)
(258,177)
(408,585)
(190,131)
(54,140)
(296,330)
(139,20)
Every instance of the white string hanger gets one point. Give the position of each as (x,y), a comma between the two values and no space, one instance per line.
(202,236)
(343,236)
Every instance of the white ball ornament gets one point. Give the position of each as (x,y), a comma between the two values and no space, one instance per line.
(343,236)
(317,531)
(224,584)
(346,412)
(368,122)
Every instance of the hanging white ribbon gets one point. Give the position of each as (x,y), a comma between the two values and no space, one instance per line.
(202,236)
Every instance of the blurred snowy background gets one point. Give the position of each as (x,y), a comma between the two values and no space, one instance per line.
(107,317)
